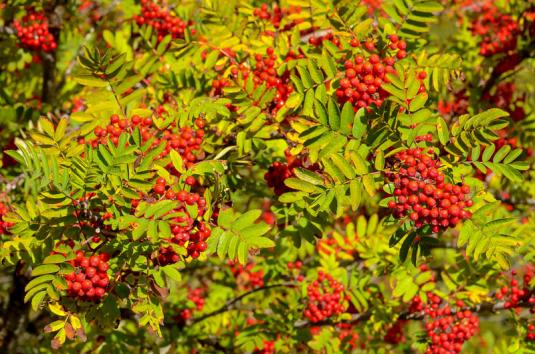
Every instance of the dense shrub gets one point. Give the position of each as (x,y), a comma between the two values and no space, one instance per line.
(325,176)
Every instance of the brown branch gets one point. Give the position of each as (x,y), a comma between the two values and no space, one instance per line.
(495,76)
(230,304)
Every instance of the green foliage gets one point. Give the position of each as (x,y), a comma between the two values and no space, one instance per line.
(269,181)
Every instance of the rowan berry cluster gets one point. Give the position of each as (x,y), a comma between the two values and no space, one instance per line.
(90,280)
(295,267)
(4,225)
(187,142)
(265,71)
(278,172)
(507,63)
(421,193)
(499,32)
(341,246)
(456,107)
(530,336)
(195,295)
(78,104)
(268,347)
(325,298)
(317,40)
(447,328)
(90,215)
(529,17)
(504,98)
(395,335)
(276,15)
(514,294)
(427,137)
(348,335)
(219,84)
(246,277)
(162,20)
(374,5)
(187,231)
(8,144)
(364,76)
(33,32)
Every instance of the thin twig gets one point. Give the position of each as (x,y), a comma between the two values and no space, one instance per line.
(230,304)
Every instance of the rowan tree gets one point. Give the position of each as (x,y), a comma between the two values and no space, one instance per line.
(326,176)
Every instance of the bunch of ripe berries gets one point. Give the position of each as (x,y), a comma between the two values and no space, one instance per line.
(33,32)
(265,72)
(447,329)
(422,195)
(90,280)
(348,335)
(278,172)
(504,98)
(4,225)
(187,141)
(317,40)
(268,347)
(162,20)
(514,294)
(187,231)
(456,106)
(295,267)
(363,78)
(246,276)
(499,32)
(325,298)
(277,14)
(530,336)
(395,334)
(195,296)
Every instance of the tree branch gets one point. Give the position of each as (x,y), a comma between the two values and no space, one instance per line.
(495,76)
(230,304)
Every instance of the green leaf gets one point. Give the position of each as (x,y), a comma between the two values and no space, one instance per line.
(380,160)
(489,150)
(37,299)
(346,118)
(39,280)
(343,165)
(321,112)
(359,124)
(292,197)
(315,72)
(172,272)
(246,219)
(418,102)
(264,242)
(55,258)
(355,191)
(443,131)
(404,251)
(305,77)
(176,159)
(90,80)
(308,176)
(300,185)
(334,114)
(501,153)
(361,165)
(45,269)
